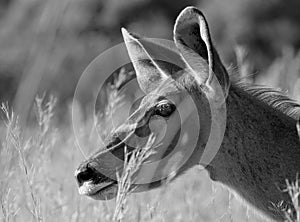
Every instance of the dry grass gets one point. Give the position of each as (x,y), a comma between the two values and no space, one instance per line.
(293,189)
(132,165)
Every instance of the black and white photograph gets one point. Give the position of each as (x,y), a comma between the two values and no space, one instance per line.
(149,111)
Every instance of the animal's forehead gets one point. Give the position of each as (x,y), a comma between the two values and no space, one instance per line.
(170,90)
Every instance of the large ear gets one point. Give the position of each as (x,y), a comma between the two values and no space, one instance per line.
(192,38)
(144,55)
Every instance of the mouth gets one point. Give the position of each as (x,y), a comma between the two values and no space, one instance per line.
(103,191)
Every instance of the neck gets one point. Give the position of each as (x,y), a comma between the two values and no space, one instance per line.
(259,152)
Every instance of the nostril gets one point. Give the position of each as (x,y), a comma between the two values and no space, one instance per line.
(85,175)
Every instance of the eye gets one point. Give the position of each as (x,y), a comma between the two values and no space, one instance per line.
(165,108)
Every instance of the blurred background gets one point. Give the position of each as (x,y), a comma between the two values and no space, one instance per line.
(46,45)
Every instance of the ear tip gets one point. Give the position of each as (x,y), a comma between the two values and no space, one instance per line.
(188,16)
(127,36)
(190,11)
(190,8)
(125,33)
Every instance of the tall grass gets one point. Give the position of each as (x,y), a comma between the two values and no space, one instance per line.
(132,165)
(293,189)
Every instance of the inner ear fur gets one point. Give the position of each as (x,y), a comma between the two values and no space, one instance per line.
(192,38)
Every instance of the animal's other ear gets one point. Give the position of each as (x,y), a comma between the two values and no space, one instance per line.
(192,38)
(144,55)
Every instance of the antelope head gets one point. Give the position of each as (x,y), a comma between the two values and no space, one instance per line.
(175,105)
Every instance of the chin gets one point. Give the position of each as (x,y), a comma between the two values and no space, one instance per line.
(103,191)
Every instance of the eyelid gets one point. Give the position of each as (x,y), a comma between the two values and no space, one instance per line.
(163,102)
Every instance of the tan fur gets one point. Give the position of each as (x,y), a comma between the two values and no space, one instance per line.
(259,151)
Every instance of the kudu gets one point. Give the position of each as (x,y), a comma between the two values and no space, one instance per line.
(260,148)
